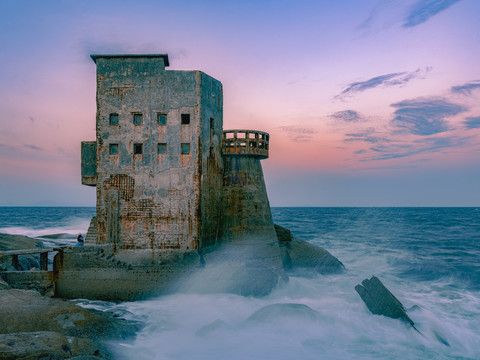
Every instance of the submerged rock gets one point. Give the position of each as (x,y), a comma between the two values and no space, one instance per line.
(301,256)
(276,312)
(380,301)
(217,325)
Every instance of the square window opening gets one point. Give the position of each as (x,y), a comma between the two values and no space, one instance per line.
(137,119)
(113,119)
(137,149)
(185,119)
(161,148)
(185,150)
(162,119)
(113,149)
(212,124)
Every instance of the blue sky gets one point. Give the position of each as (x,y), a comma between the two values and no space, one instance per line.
(368,103)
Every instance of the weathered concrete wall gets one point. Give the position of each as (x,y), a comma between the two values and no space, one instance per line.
(159,190)
(96,272)
(89,163)
(42,281)
(211,167)
(246,227)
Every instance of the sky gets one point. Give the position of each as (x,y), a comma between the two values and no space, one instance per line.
(368,103)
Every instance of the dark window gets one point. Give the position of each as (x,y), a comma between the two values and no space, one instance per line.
(185,149)
(212,124)
(113,119)
(212,152)
(162,119)
(137,149)
(113,149)
(162,148)
(185,119)
(137,119)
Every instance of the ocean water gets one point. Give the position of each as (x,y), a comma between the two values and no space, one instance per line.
(428,257)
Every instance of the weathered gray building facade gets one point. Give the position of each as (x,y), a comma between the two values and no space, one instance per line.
(157,154)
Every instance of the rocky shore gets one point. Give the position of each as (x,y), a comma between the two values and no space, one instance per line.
(33,326)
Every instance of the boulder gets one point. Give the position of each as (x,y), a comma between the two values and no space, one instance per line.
(301,256)
(217,325)
(380,301)
(287,311)
(19,242)
(28,311)
(34,345)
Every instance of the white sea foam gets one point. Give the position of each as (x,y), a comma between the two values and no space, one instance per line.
(344,330)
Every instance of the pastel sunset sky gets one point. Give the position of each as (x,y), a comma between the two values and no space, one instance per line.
(368,103)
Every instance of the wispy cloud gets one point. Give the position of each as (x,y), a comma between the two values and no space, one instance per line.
(299,134)
(466,89)
(472,122)
(393,79)
(426,145)
(33,147)
(424,116)
(423,10)
(365,137)
(346,116)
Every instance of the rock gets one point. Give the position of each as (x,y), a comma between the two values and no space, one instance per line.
(4,285)
(19,242)
(284,236)
(34,345)
(300,255)
(28,311)
(380,301)
(24,310)
(83,347)
(287,311)
(217,325)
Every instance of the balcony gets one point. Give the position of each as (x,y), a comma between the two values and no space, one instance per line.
(246,143)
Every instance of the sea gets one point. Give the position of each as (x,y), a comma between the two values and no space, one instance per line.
(429,258)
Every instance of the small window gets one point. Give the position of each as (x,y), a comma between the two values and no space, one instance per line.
(137,149)
(113,149)
(212,124)
(113,119)
(162,148)
(162,119)
(185,119)
(185,149)
(137,119)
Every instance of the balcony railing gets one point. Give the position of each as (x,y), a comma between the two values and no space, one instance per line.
(245,142)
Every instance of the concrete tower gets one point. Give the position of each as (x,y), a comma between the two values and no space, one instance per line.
(156,162)
(248,260)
